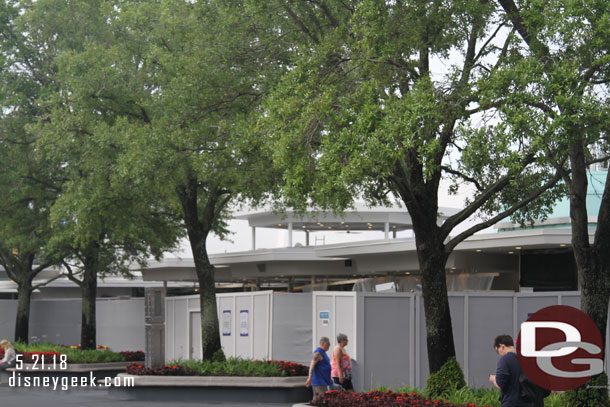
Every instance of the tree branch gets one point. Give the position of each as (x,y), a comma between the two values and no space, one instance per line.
(326,10)
(71,276)
(483,225)
(465,213)
(220,206)
(300,24)
(41,267)
(463,176)
(493,35)
(34,287)
(541,50)
(504,49)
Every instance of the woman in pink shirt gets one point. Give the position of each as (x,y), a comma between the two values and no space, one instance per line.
(341,364)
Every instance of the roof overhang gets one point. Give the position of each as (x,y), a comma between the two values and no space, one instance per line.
(360,217)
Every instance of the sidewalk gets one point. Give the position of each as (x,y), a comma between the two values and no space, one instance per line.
(32,397)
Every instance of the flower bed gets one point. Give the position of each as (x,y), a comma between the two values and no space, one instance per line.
(230,367)
(133,356)
(378,399)
(291,368)
(137,369)
(74,354)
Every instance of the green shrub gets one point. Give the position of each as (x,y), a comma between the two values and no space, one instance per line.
(74,355)
(448,377)
(594,393)
(231,367)
(218,356)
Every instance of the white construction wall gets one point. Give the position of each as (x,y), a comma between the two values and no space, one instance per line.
(120,322)
(381,333)
(254,325)
(387,332)
(292,327)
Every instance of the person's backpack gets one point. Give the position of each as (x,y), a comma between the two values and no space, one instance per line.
(530,391)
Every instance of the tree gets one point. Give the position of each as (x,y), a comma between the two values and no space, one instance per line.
(102,220)
(24,212)
(63,195)
(367,110)
(567,55)
(27,184)
(176,84)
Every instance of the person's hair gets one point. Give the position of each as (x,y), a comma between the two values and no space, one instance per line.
(341,338)
(6,343)
(324,339)
(505,340)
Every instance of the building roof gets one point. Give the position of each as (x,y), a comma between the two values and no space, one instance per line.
(360,217)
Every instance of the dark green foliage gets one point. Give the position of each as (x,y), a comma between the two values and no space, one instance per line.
(449,377)
(74,355)
(225,367)
(219,356)
(594,393)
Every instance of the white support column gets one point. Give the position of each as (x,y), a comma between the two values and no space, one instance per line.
(253,238)
(289,234)
(386,229)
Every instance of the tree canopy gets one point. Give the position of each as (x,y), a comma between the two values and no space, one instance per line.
(171,91)
(384,100)
(565,94)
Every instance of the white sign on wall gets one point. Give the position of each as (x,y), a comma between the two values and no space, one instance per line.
(226,322)
(324,318)
(244,327)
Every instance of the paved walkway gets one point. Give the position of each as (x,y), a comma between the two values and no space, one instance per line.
(28,397)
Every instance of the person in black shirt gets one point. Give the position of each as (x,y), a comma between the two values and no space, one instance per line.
(507,374)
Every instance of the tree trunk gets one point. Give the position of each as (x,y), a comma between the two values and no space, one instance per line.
(197,233)
(439,332)
(602,256)
(22,322)
(210,332)
(89,296)
(421,200)
(592,272)
(591,260)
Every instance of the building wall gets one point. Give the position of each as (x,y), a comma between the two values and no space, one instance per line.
(120,323)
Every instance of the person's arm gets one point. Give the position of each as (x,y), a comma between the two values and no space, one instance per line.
(492,380)
(337,358)
(316,359)
(502,376)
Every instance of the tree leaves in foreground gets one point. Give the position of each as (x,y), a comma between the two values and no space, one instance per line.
(174,88)
(387,99)
(566,56)
(101,221)
(28,185)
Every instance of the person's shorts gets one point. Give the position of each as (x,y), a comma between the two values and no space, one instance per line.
(319,390)
(346,385)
